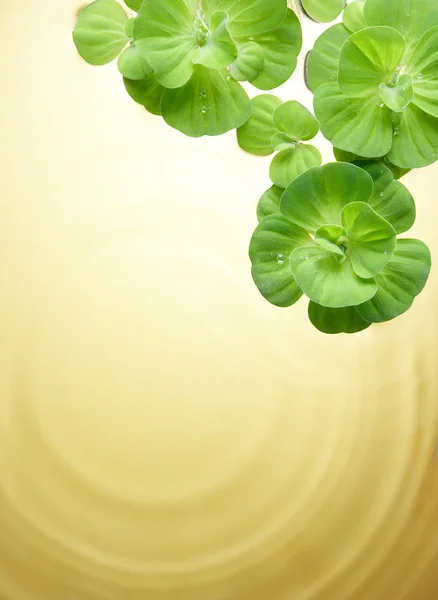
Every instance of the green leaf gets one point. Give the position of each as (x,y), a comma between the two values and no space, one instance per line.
(354,17)
(250,61)
(164,35)
(255,136)
(292,162)
(147,92)
(336,320)
(328,236)
(391,199)
(368,58)
(250,17)
(211,103)
(129,28)
(271,244)
(134,4)
(423,66)
(281,47)
(397,97)
(403,278)
(269,203)
(318,196)
(371,239)
(412,18)
(328,281)
(219,51)
(132,66)
(99,34)
(323,11)
(358,125)
(415,140)
(296,121)
(343,156)
(322,62)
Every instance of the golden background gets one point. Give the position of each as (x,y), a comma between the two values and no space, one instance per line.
(165,433)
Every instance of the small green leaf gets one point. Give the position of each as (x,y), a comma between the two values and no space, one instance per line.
(368,58)
(269,203)
(415,140)
(336,320)
(391,199)
(323,11)
(328,236)
(328,281)
(343,156)
(134,4)
(147,92)
(255,136)
(403,278)
(292,162)
(354,17)
(211,103)
(412,18)
(129,28)
(281,141)
(164,35)
(250,61)
(358,125)
(271,244)
(322,62)
(132,66)
(281,47)
(423,66)
(99,33)
(219,51)
(248,18)
(296,121)
(318,196)
(397,97)
(371,239)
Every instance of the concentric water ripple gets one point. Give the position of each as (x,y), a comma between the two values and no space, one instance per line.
(165,434)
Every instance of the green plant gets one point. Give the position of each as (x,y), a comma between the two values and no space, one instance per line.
(328,232)
(333,237)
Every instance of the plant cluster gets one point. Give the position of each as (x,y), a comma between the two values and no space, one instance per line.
(327,232)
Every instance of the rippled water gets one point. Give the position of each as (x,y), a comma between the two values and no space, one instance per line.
(165,434)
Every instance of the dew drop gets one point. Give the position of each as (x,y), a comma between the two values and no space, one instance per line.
(381,104)
(396,132)
(280,259)
(251,39)
(420,76)
(228,76)
(203,94)
(203,111)
(381,194)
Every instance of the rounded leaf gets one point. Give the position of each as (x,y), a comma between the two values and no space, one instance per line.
(164,35)
(390,199)
(211,103)
(292,162)
(415,139)
(129,28)
(99,34)
(327,280)
(254,17)
(336,320)
(147,92)
(131,65)
(281,47)
(250,61)
(368,58)
(371,239)
(423,66)
(269,203)
(271,244)
(134,4)
(358,125)
(323,11)
(354,17)
(403,278)
(322,63)
(255,136)
(296,121)
(318,196)
(412,18)
(397,97)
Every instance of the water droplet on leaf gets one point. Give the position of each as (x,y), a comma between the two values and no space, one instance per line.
(280,259)
(420,76)
(203,111)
